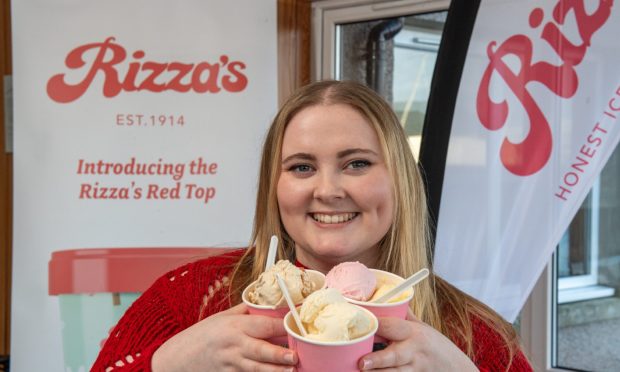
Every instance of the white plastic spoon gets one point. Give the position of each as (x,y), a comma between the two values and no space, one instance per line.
(291,305)
(271,254)
(408,283)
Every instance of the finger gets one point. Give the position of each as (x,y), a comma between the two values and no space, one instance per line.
(411,315)
(259,326)
(238,309)
(250,365)
(390,357)
(265,352)
(394,329)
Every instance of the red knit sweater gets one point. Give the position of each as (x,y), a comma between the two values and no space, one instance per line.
(174,301)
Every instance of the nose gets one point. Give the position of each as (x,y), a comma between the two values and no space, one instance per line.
(329,187)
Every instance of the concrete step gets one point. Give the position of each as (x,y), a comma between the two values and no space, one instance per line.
(583,312)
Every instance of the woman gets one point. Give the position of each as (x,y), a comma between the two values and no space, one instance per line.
(337,183)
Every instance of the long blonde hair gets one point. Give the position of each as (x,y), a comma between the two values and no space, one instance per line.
(405,247)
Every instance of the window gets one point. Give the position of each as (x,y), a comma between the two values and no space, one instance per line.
(572,319)
(390,47)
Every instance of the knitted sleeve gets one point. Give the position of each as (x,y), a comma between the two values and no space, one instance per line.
(172,304)
(491,353)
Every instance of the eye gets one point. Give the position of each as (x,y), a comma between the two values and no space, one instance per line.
(300,168)
(358,164)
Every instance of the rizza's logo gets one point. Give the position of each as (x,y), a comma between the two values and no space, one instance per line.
(530,155)
(140,74)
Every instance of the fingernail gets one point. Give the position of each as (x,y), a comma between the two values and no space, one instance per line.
(289,358)
(366,364)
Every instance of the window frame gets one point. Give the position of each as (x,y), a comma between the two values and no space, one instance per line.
(328,14)
(591,278)
(538,321)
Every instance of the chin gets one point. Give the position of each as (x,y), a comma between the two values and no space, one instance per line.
(336,253)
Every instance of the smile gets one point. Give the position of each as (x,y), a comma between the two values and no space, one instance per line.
(333,218)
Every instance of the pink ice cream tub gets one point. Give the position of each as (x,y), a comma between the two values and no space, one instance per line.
(398,308)
(95,286)
(278,312)
(324,356)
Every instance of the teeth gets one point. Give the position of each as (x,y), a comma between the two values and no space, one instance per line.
(333,218)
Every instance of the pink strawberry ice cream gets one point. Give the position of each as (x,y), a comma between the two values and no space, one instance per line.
(353,279)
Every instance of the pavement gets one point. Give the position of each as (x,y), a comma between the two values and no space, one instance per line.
(591,346)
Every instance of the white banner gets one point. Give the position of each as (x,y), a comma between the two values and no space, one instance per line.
(137,124)
(536,119)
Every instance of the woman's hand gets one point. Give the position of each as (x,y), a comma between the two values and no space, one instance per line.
(415,346)
(228,341)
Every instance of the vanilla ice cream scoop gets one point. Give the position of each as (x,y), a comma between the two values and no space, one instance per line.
(385,288)
(327,316)
(267,292)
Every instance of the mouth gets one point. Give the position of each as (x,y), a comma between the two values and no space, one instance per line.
(333,218)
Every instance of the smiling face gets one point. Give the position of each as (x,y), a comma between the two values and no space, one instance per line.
(335,193)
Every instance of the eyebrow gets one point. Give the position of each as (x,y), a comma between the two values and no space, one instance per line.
(300,156)
(340,154)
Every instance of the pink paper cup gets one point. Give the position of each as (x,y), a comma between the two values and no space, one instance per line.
(397,309)
(323,356)
(278,312)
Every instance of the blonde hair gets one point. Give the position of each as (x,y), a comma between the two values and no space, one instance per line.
(404,249)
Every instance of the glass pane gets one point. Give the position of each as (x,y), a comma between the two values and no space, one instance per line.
(575,250)
(588,280)
(395,57)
